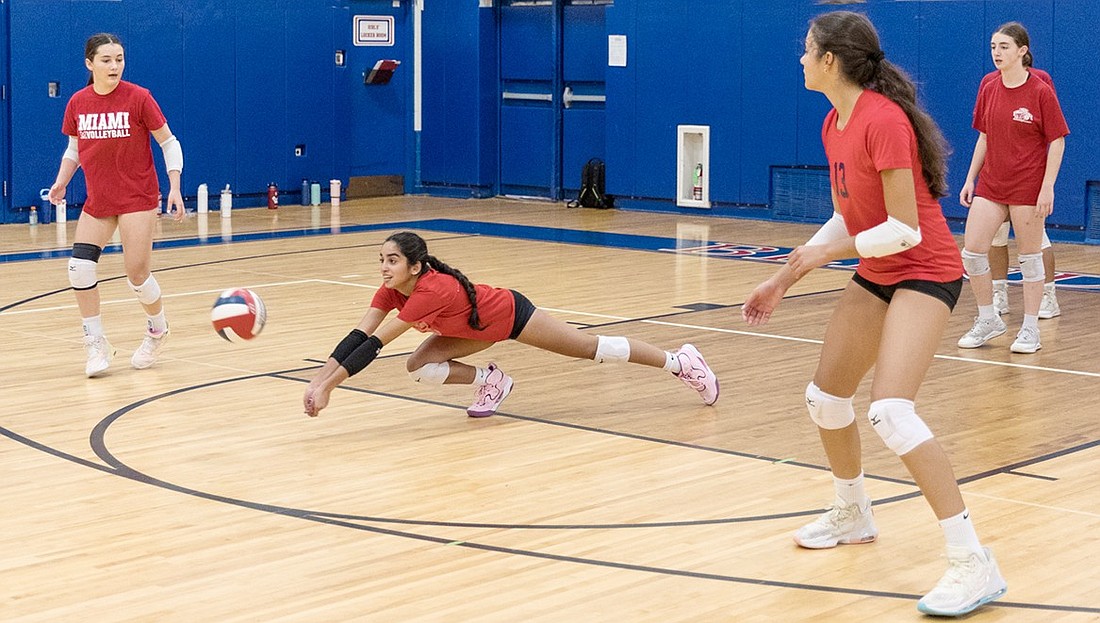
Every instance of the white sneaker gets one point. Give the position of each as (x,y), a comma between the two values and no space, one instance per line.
(1049,307)
(982,332)
(1000,299)
(146,354)
(1027,341)
(841,524)
(100,353)
(972,579)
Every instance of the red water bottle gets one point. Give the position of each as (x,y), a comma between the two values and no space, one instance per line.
(272,196)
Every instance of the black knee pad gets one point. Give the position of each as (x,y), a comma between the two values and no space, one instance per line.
(85,251)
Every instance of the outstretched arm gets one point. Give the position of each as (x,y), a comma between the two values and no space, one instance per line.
(831,242)
(351,355)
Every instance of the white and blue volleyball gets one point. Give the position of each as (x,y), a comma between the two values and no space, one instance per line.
(238,314)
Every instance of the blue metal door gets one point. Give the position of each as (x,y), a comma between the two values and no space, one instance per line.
(553,54)
(5,122)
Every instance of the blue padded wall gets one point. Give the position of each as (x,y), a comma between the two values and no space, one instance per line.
(243,81)
(240,81)
(458,139)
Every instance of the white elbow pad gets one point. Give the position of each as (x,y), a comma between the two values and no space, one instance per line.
(833,229)
(173,154)
(887,238)
(71,151)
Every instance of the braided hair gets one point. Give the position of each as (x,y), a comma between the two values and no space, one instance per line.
(415,250)
(852,38)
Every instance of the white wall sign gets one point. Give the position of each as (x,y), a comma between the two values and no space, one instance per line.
(616,50)
(373,30)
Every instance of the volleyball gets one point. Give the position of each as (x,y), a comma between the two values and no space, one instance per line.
(238,314)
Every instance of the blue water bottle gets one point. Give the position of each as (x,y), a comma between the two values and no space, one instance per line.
(47,207)
(305,192)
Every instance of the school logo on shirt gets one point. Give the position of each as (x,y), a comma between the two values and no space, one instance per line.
(104,125)
(1023,115)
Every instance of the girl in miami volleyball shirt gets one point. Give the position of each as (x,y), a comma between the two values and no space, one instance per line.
(108,124)
(886,159)
(465,318)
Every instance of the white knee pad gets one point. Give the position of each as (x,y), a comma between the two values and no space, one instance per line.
(1000,239)
(82,274)
(828,411)
(148,292)
(1031,267)
(431,373)
(612,349)
(975,263)
(895,420)
(1046,241)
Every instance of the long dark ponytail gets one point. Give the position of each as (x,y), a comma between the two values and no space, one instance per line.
(415,250)
(91,46)
(852,38)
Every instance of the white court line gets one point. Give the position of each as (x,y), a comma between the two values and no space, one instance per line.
(771,336)
(579,313)
(809,341)
(1033,504)
(345,283)
(804,340)
(167,296)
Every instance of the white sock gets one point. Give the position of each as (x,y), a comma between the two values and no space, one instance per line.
(1031,321)
(480,374)
(1000,284)
(672,363)
(1049,287)
(157,324)
(93,326)
(850,491)
(987,312)
(959,532)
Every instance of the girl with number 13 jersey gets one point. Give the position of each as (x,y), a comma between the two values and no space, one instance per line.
(879,137)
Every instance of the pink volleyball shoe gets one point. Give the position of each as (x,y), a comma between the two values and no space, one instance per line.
(696,374)
(489,396)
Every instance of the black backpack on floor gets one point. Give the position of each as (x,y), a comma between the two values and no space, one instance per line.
(592,193)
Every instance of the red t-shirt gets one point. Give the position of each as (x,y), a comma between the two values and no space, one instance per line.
(879,137)
(439,304)
(1038,73)
(112,134)
(1019,124)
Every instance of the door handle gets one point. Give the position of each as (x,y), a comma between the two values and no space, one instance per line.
(568,98)
(534,97)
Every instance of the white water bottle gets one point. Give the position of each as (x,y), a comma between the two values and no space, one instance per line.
(62,212)
(334,192)
(204,199)
(227,202)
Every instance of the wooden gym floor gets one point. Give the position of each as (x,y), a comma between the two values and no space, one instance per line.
(197,490)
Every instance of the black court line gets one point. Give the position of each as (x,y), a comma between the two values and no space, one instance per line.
(1026,475)
(120,469)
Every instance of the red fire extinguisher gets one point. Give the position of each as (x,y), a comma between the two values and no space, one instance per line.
(272,196)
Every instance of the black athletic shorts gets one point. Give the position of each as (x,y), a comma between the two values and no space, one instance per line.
(524,310)
(947,292)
